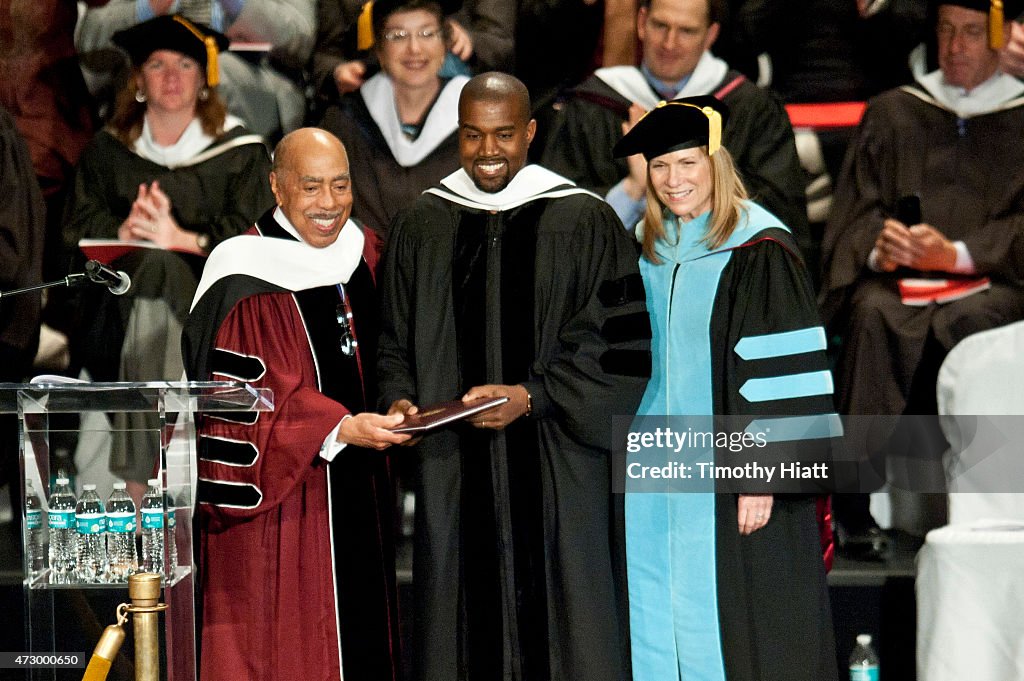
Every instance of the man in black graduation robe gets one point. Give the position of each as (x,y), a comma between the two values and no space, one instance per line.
(758,133)
(953,140)
(296,564)
(509,280)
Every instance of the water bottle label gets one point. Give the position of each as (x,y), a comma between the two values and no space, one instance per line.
(171,519)
(864,673)
(121,522)
(152,519)
(33,519)
(91,523)
(61,520)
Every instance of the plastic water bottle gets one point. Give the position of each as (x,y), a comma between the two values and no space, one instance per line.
(172,544)
(153,529)
(35,532)
(863,661)
(121,524)
(91,525)
(61,521)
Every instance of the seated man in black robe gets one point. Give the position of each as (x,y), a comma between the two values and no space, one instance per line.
(508,280)
(949,142)
(676,36)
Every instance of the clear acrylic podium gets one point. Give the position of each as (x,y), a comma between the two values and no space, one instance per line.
(62,615)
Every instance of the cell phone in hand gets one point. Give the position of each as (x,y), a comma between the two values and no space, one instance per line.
(908,210)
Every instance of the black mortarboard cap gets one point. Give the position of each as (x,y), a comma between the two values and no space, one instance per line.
(374,12)
(679,124)
(998,11)
(174,32)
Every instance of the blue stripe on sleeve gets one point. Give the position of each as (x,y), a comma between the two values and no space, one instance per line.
(787,387)
(781,344)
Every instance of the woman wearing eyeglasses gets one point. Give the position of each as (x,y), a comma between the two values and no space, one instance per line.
(400,127)
(726,578)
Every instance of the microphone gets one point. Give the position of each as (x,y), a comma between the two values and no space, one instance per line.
(116,280)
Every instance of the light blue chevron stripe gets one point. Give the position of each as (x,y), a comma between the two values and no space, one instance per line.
(781,344)
(791,428)
(787,387)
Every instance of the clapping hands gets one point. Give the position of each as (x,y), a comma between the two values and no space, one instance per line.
(150,219)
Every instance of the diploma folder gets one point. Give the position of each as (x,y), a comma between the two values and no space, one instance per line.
(442,413)
(109,250)
(921,292)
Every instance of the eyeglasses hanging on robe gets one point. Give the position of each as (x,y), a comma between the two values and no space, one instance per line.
(343,313)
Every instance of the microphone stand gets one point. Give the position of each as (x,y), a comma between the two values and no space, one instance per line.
(70,281)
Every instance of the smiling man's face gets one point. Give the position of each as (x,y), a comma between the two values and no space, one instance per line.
(313,187)
(494,137)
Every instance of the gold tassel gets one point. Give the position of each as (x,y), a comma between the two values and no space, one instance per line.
(714,129)
(995,25)
(364,28)
(212,70)
(212,67)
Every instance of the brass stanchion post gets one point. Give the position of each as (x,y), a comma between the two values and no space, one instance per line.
(144,590)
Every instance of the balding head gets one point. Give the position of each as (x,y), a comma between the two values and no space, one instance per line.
(495,86)
(305,141)
(311,182)
(495,129)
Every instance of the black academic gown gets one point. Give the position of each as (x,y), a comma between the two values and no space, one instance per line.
(219,196)
(21,251)
(380,185)
(518,564)
(22,231)
(965,173)
(757,134)
(135,337)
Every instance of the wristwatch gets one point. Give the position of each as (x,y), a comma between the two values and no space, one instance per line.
(203,241)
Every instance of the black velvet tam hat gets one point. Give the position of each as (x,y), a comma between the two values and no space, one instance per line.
(375,13)
(174,32)
(998,11)
(679,124)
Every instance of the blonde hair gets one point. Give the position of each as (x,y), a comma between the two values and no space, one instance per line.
(727,195)
(126,121)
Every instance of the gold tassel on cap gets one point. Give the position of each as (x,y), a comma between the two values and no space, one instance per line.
(995,25)
(212,68)
(364,28)
(714,129)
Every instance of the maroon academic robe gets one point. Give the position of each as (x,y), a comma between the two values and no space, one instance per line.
(295,558)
